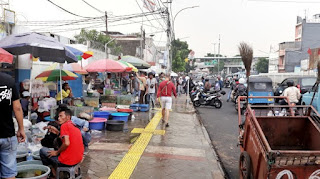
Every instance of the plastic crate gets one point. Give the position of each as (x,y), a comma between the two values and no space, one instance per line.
(91,101)
(124,100)
(109,105)
(86,109)
(108,99)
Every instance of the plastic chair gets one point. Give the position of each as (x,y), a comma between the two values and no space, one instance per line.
(71,170)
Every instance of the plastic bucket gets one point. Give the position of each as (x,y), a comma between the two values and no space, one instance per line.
(97,124)
(21,155)
(144,107)
(31,162)
(42,168)
(134,107)
(130,111)
(101,114)
(115,125)
(120,116)
(36,155)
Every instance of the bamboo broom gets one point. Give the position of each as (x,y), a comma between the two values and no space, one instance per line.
(246,53)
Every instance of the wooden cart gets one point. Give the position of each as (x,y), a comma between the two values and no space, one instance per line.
(277,143)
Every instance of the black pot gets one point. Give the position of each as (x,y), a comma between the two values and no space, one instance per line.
(113,125)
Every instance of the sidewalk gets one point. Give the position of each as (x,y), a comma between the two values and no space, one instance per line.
(182,152)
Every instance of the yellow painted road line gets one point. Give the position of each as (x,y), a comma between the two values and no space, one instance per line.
(129,162)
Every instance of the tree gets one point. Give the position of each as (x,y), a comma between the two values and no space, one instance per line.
(262,65)
(99,39)
(180,52)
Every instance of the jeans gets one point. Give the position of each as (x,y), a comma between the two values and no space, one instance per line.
(52,161)
(86,138)
(180,89)
(8,152)
(151,99)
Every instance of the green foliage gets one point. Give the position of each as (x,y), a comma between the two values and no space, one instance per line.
(262,65)
(180,52)
(99,38)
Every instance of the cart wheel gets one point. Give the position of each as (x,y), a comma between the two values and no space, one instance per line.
(245,166)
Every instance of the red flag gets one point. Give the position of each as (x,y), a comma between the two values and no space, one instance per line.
(318,51)
(309,51)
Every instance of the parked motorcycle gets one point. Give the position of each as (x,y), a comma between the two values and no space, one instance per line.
(208,99)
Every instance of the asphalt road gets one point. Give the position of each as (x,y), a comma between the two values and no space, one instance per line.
(222,126)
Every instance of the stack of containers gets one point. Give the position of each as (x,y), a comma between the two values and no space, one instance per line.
(99,120)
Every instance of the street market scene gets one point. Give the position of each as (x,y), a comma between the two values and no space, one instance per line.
(156,89)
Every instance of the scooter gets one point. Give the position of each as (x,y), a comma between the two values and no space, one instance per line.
(208,99)
(243,106)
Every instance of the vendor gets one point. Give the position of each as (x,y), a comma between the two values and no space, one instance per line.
(66,95)
(108,83)
(71,151)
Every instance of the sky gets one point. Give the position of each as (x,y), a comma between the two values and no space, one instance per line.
(261,23)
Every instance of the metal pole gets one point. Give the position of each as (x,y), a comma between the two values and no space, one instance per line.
(106,16)
(141,39)
(219,56)
(61,83)
(169,42)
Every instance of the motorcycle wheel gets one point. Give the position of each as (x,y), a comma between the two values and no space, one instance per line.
(196,103)
(217,104)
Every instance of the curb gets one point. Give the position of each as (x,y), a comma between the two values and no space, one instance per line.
(215,155)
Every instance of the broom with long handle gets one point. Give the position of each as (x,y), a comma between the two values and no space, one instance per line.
(246,53)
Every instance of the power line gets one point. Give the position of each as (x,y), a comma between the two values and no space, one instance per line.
(285,1)
(66,10)
(102,25)
(92,6)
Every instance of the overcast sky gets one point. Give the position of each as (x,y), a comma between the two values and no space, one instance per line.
(259,23)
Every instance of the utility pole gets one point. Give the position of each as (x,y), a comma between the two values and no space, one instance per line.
(141,41)
(106,16)
(219,56)
(169,41)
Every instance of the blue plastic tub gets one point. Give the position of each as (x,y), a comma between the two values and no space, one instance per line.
(101,114)
(97,124)
(120,116)
(48,118)
(134,107)
(144,107)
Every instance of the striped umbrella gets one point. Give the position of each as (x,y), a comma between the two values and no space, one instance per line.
(54,75)
(134,69)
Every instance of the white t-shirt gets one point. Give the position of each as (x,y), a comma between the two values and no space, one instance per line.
(153,83)
(293,93)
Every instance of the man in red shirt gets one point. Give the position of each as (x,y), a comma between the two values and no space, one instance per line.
(166,88)
(71,151)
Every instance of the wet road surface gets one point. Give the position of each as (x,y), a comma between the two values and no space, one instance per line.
(222,126)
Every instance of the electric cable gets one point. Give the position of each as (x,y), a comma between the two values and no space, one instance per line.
(66,10)
(93,6)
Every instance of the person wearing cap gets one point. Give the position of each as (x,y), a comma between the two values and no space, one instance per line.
(66,94)
(25,102)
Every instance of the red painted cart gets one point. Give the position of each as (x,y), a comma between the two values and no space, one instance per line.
(277,143)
